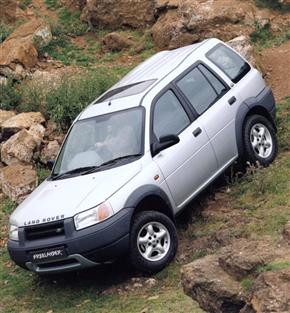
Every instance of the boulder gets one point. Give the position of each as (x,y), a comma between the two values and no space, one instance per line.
(36,31)
(13,52)
(21,121)
(189,21)
(239,261)
(5,115)
(114,14)
(50,151)
(18,181)
(116,42)
(19,148)
(21,46)
(10,11)
(242,45)
(271,292)
(213,289)
(37,131)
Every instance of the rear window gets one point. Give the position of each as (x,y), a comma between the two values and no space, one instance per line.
(125,91)
(229,62)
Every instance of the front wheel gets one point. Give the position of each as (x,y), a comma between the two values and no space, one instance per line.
(153,241)
(260,142)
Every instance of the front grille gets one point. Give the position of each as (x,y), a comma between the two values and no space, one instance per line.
(44,231)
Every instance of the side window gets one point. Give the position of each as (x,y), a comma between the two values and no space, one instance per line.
(198,90)
(229,62)
(169,116)
(219,87)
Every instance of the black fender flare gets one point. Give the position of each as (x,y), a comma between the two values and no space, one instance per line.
(148,190)
(264,102)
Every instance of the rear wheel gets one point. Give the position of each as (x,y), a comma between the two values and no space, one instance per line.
(260,142)
(153,241)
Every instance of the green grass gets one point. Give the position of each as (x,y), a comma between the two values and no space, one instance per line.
(263,37)
(247,284)
(42,174)
(273,4)
(88,291)
(63,49)
(264,194)
(70,23)
(23,4)
(273,267)
(52,4)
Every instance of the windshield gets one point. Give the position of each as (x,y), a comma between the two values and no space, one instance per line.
(95,141)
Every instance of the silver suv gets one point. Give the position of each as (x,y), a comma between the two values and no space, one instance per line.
(136,156)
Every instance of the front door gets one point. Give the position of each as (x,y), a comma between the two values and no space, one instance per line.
(188,165)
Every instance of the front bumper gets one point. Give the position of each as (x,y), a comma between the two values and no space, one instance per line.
(101,243)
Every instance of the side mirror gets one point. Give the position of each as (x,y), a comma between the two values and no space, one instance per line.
(164,143)
(50,164)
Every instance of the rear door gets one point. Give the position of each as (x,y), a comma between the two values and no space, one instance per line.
(216,105)
(220,118)
(188,165)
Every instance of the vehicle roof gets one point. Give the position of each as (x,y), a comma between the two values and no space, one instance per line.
(155,68)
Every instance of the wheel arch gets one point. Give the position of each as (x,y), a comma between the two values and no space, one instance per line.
(263,104)
(150,198)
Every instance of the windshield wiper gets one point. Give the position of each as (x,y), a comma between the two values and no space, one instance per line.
(74,171)
(113,161)
(90,169)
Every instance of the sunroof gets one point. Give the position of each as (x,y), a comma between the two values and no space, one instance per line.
(128,90)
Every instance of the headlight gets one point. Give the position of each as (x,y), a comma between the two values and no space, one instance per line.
(93,216)
(13,232)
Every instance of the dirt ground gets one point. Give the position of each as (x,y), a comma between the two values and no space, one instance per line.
(276,62)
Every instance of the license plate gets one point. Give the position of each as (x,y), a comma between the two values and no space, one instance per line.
(48,255)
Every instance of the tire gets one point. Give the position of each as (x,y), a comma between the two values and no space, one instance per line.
(156,230)
(259,139)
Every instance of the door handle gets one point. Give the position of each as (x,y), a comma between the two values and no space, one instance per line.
(232,100)
(196,132)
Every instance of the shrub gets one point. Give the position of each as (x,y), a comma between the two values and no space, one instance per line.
(65,102)
(262,33)
(51,4)
(9,95)
(70,22)
(32,97)
(273,4)
(5,31)
(23,4)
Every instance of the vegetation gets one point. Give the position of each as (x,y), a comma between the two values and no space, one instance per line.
(273,267)
(24,4)
(9,95)
(70,23)
(260,196)
(247,284)
(273,4)
(263,37)
(65,102)
(52,4)
(5,31)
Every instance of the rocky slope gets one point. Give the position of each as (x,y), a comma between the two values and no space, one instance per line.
(240,273)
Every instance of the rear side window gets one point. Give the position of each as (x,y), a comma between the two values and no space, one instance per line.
(229,62)
(169,116)
(201,88)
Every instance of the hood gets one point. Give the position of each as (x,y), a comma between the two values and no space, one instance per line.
(64,198)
